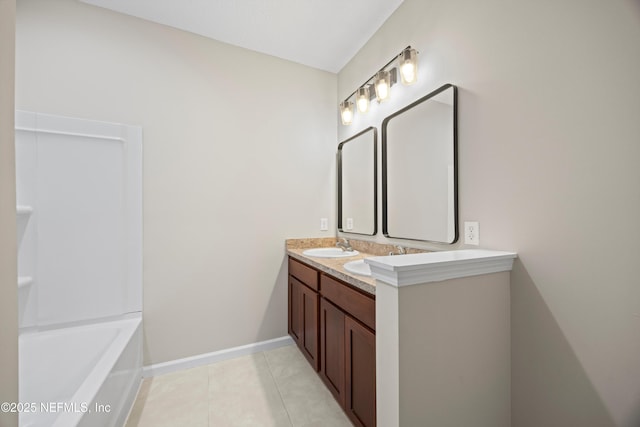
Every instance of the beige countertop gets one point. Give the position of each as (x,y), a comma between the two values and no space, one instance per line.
(335,266)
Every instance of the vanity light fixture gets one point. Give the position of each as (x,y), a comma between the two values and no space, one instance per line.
(382,81)
(362,99)
(346,112)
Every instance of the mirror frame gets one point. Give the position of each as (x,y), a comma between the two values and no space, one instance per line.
(375,180)
(385,218)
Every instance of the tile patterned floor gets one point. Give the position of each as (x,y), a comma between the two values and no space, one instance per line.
(274,388)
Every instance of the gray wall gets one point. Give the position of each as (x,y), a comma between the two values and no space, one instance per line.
(549,147)
(8,265)
(239,153)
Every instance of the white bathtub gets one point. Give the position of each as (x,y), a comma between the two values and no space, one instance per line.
(80,376)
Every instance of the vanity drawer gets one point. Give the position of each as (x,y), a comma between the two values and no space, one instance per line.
(305,274)
(353,302)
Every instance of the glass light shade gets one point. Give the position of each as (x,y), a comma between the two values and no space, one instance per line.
(362,99)
(382,85)
(346,112)
(408,65)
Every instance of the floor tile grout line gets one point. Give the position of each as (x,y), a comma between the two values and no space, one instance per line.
(284,404)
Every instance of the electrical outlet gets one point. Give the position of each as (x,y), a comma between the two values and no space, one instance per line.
(324,224)
(471,233)
(349,223)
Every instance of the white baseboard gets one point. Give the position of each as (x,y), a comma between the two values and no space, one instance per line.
(216,356)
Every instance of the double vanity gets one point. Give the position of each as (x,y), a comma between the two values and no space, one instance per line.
(404,337)
(424,340)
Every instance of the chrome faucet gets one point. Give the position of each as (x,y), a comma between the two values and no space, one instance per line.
(344,245)
(400,249)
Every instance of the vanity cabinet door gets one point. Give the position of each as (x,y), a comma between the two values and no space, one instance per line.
(310,341)
(360,343)
(295,304)
(303,319)
(332,370)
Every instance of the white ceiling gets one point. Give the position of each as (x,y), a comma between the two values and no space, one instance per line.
(323,34)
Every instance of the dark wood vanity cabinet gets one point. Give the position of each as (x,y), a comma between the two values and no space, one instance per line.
(304,303)
(345,353)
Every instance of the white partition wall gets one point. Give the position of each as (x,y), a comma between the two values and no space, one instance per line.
(79,196)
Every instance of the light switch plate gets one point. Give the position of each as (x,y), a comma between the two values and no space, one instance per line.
(324,224)
(471,233)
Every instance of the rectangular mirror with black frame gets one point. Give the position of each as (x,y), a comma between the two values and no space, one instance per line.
(357,183)
(419,176)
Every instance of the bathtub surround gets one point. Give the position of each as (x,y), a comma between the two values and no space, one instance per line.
(8,262)
(228,158)
(548,160)
(79,193)
(79,198)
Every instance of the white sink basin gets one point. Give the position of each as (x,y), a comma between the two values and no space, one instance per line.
(329,253)
(358,267)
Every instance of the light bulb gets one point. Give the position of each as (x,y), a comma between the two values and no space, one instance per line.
(347,117)
(346,112)
(382,85)
(408,71)
(408,60)
(362,99)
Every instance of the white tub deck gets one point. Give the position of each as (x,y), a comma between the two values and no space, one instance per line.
(81,375)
